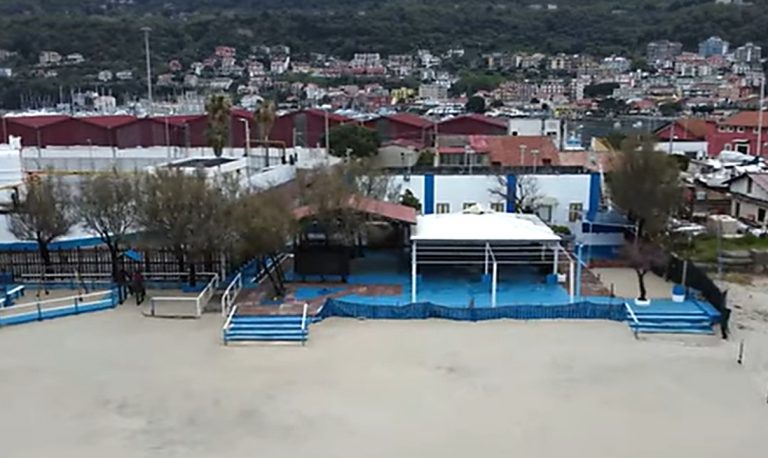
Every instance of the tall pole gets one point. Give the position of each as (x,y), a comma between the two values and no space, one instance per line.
(146,31)
(247,124)
(327,134)
(760,118)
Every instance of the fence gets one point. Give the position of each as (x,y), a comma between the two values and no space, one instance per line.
(97,260)
(576,311)
(54,308)
(184,306)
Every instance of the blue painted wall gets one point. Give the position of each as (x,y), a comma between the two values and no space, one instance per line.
(594,195)
(429,194)
(511,193)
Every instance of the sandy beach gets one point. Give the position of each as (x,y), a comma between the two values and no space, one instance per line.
(121,385)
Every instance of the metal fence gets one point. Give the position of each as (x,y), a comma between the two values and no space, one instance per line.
(97,260)
(688,274)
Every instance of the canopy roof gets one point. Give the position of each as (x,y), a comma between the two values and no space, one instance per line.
(387,210)
(483,227)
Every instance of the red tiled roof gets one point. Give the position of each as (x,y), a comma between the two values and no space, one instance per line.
(697,127)
(602,159)
(108,121)
(410,119)
(457,144)
(508,150)
(37,122)
(745,119)
(371,206)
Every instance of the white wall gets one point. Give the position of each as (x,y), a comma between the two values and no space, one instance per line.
(697,150)
(741,185)
(535,127)
(459,189)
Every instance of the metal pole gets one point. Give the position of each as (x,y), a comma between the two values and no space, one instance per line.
(554,262)
(571,286)
(578,270)
(413,272)
(146,31)
(494,283)
(685,272)
(247,125)
(327,134)
(486,259)
(720,249)
(760,119)
(672,136)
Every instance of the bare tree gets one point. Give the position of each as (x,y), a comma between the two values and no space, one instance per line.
(370,181)
(44,214)
(181,212)
(646,184)
(265,224)
(107,206)
(527,197)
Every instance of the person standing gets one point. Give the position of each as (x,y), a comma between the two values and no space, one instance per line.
(139,290)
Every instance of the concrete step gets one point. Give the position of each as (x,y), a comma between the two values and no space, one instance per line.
(250,325)
(276,338)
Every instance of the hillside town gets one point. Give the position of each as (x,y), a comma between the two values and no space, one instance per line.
(666,81)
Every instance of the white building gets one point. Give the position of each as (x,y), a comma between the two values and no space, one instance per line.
(433,92)
(569,200)
(749,194)
(532,127)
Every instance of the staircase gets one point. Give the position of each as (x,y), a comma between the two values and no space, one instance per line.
(267,328)
(693,322)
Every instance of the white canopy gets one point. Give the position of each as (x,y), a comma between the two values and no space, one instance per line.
(484,226)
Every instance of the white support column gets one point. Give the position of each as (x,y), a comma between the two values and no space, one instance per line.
(494,283)
(413,272)
(571,282)
(487,248)
(556,250)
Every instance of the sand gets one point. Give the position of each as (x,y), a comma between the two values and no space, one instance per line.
(624,282)
(115,384)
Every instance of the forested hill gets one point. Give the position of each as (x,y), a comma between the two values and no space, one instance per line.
(107,30)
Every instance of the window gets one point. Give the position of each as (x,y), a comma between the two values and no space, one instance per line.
(721,128)
(728,147)
(740,129)
(761,214)
(574,211)
(729,129)
(497,207)
(755,130)
(546,162)
(738,209)
(701,195)
(467,205)
(742,148)
(749,185)
(545,213)
(443,208)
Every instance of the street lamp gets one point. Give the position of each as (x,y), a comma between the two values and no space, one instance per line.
(146,31)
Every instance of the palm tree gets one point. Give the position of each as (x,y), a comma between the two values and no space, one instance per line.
(265,118)
(218,107)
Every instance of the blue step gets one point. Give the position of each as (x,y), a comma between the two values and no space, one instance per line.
(674,327)
(267,319)
(264,326)
(277,338)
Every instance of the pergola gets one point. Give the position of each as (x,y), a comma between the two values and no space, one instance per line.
(490,239)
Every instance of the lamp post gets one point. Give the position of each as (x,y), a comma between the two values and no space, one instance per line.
(146,31)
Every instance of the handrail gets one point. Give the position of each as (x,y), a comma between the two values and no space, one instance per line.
(634,317)
(304,317)
(206,294)
(228,323)
(230,294)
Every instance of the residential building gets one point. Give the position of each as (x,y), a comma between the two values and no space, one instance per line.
(6,72)
(433,91)
(532,127)
(713,46)
(616,64)
(404,128)
(749,194)
(75,58)
(661,51)
(740,133)
(104,75)
(124,75)
(750,53)
(225,51)
(279,64)
(49,58)
(687,136)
